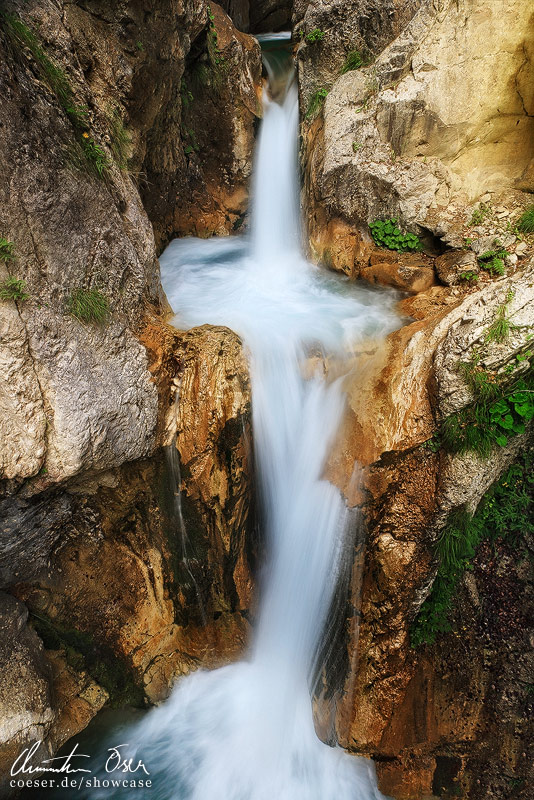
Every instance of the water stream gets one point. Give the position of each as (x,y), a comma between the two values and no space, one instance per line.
(246,731)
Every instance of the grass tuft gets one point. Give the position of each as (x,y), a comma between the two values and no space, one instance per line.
(316,103)
(121,139)
(13,289)
(526,221)
(88,305)
(354,60)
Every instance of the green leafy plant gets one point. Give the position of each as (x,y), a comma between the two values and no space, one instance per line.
(215,56)
(140,46)
(95,155)
(7,249)
(355,60)
(500,413)
(356,146)
(479,215)
(386,233)
(88,305)
(469,276)
(526,221)
(186,95)
(316,102)
(316,35)
(506,511)
(493,261)
(13,289)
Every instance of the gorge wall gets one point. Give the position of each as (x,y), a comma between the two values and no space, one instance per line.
(421,112)
(114,118)
(126,124)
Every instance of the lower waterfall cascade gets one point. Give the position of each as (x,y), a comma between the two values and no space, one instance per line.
(246,731)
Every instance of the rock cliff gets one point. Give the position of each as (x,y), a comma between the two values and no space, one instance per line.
(421,112)
(110,118)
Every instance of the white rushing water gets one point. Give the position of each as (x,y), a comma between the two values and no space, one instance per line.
(246,731)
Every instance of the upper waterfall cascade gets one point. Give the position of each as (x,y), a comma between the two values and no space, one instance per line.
(246,731)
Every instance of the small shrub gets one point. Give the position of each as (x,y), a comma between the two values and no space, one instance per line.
(354,60)
(316,35)
(526,221)
(7,249)
(316,103)
(13,289)
(88,305)
(386,233)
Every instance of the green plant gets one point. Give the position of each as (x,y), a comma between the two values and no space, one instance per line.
(506,511)
(493,261)
(215,56)
(386,233)
(315,103)
(469,276)
(7,249)
(140,46)
(356,146)
(500,328)
(499,413)
(316,35)
(186,95)
(354,60)
(95,155)
(526,221)
(13,289)
(88,305)
(121,139)
(479,215)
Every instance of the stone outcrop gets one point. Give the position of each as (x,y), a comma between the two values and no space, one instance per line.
(426,716)
(181,527)
(425,130)
(99,166)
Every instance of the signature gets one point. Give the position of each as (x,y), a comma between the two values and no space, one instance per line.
(64,764)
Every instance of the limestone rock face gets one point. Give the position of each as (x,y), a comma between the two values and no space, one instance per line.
(102,148)
(425,125)
(181,528)
(424,714)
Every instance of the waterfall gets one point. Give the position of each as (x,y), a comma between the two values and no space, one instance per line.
(246,731)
